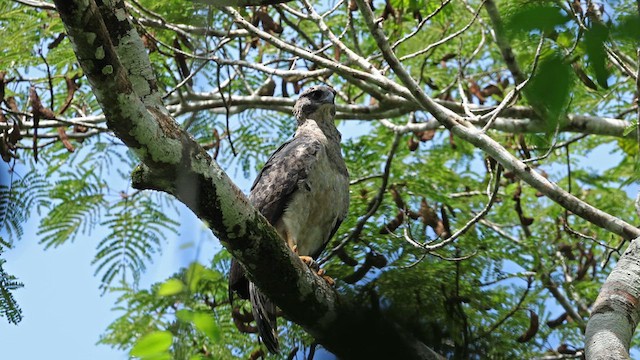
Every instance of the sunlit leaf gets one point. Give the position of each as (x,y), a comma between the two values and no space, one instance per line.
(184,315)
(152,344)
(171,287)
(207,324)
(542,16)
(631,128)
(594,40)
(627,27)
(549,88)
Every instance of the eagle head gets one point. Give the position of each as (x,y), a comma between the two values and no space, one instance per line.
(316,102)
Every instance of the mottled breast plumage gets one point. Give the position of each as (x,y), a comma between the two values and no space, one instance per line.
(284,172)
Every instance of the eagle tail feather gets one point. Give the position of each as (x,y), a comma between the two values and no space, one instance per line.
(264,312)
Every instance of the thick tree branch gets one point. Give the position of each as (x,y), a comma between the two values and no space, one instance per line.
(616,312)
(514,120)
(131,52)
(503,43)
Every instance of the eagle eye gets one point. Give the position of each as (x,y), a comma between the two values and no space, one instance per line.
(316,95)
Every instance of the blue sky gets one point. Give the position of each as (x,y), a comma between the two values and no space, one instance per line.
(64,310)
(64,313)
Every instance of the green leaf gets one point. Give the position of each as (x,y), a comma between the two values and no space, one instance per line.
(408,4)
(137,228)
(549,88)
(594,41)
(78,198)
(207,324)
(26,194)
(171,287)
(197,275)
(629,129)
(194,274)
(202,321)
(627,27)
(544,17)
(8,284)
(184,315)
(152,344)
(565,39)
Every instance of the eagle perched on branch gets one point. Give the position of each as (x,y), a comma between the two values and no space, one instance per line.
(303,191)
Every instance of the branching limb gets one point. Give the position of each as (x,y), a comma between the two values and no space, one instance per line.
(492,198)
(445,39)
(562,299)
(465,131)
(507,101)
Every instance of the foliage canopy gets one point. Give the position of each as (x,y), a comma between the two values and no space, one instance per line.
(517,283)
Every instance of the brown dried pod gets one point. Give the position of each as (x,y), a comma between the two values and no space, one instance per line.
(533,328)
(412,143)
(475,90)
(181,61)
(72,87)
(257,354)
(392,225)
(452,141)
(565,350)
(65,140)
(567,251)
(509,175)
(268,24)
(54,44)
(353,6)
(2,83)
(445,222)
(5,153)
(427,135)
(13,136)
(397,198)
(149,43)
(80,129)
(417,15)
(388,10)
(554,323)
(491,90)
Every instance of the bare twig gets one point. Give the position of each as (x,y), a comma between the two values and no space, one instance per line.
(445,39)
(492,198)
(513,93)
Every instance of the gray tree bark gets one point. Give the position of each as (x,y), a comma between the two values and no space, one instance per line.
(616,312)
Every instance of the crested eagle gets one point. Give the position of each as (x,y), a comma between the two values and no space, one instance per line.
(303,191)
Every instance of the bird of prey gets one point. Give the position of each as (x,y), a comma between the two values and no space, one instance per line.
(303,191)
